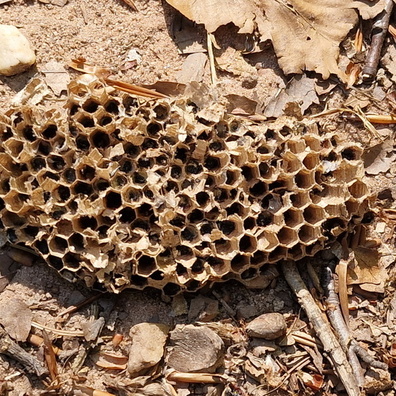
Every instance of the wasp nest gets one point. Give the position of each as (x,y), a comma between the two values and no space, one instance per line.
(123,192)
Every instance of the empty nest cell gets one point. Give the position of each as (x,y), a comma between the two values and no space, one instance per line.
(125,192)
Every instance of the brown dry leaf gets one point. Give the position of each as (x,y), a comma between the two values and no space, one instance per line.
(366,272)
(305,33)
(110,361)
(215,13)
(300,90)
(379,158)
(193,68)
(15,317)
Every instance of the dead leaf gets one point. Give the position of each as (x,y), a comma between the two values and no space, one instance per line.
(240,103)
(300,90)
(379,158)
(306,34)
(389,61)
(366,270)
(110,361)
(233,62)
(56,77)
(193,68)
(215,13)
(15,317)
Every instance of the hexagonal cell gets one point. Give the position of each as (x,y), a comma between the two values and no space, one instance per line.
(62,193)
(352,153)
(55,262)
(300,199)
(132,195)
(293,217)
(250,172)
(82,188)
(305,179)
(85,172)
(82,142)
(311,161)
(334,227)
(118,182)
(358,189)
(296,146)
(272,203)
(196,216)
(69,175)
(14,147)
(193,168)
(184,253)
(76,242)
(280,253)
(225,247)
(138,282)
(249,223)
(140,223)
(127,215)
(58,245)
(15,201)
(171,289)
(90,105)
(239,263)
(41,246)
(112,106)
(248,243)
(297,252)
(85,120)
(161,111)
(146,265)
(308,234)
(83,223)
(353,207)
(104,119)
(140,177)
(49,131)
(290,162)
(189,234)
(287,237)
(126,165)
(259,189)
(314,214)
(37,163)
(267,241)
(112,200)
(185,203)
(99,139)
(218,266)
(131,150)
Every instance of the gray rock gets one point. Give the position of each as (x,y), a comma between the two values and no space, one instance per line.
(194,348)
(268,326)
(16,53)
(147,349)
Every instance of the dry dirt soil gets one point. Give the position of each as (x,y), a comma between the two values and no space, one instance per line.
(103,32)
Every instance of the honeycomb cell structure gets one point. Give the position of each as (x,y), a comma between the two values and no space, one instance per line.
(123,192)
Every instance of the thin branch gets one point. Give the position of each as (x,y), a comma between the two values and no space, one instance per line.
(380,28)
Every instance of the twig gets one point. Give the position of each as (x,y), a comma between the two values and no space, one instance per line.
(81,304)
(210,39)
(337,320)
(322,328)
(13,350)
(380,28)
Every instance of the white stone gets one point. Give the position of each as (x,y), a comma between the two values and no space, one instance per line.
(16,53)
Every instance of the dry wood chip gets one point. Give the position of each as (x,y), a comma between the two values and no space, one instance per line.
(268,326)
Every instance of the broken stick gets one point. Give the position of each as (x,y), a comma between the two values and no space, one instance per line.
(13,350)
(380,28)
(322,328)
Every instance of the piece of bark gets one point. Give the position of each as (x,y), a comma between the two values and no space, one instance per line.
(13,350)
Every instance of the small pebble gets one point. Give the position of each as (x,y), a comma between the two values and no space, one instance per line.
(268,326)
(194,348)
(16,53)
(147,349)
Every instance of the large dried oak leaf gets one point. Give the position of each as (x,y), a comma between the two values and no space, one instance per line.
(306,34)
